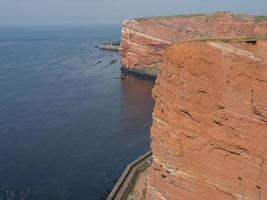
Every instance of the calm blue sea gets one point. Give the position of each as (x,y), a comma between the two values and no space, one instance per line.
(68,126)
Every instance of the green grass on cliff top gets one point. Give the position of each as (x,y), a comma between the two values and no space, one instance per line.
(261,18)
(258,18)
(226,40)
(173,16)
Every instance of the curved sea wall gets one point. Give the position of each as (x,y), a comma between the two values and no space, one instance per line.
(144,41)
(209,132)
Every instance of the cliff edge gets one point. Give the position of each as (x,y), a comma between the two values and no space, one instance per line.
(209,132)
(144,41)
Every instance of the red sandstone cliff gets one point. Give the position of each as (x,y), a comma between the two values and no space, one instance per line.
(144,41)
(209,132)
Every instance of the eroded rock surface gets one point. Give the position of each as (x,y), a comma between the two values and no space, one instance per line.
(209,132)
(144,41)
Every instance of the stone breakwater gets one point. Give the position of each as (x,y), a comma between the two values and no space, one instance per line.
(144,41)
(209,132)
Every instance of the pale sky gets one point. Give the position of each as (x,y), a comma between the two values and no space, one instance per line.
(83,12)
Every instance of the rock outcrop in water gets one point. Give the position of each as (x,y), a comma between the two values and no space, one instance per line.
(209,132)
(144,41)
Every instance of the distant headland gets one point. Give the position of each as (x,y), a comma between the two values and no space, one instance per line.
(145,40)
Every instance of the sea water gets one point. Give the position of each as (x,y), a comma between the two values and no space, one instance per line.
(68,124)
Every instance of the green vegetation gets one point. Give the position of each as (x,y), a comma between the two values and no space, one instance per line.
(184,16)
(172,16)
(225,40)
(247,39)
(260,18)
(241,17)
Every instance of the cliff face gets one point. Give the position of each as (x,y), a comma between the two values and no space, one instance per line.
(144,41)
(209,132)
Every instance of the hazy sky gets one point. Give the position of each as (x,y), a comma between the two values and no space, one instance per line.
(79,12)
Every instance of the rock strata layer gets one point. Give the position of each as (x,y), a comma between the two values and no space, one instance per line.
(144,41)
(209,132)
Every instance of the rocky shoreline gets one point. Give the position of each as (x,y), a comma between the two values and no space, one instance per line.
(140,74)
